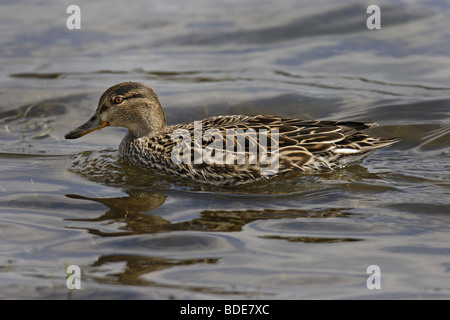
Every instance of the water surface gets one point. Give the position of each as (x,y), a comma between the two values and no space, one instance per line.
(142,235)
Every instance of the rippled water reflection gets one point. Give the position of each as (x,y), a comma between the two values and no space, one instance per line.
(148,235)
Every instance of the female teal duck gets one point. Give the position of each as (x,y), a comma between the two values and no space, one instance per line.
(225,150)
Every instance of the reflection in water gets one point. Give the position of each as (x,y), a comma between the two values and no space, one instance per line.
(311,239)
(129,210)
(134,215)
(137,266)
(133,211)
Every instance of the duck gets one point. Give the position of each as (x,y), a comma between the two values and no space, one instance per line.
(228,149)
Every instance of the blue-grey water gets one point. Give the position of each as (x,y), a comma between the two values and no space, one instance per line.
(138,235)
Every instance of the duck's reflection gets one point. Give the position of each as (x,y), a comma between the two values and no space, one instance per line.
(136,266)
(134,214)
(133,211)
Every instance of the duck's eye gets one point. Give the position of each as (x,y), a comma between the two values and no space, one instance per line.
(118,99)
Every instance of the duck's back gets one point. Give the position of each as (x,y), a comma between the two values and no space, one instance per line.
(239,149)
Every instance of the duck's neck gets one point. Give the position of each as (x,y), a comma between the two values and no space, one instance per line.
(130,147)
(147,126)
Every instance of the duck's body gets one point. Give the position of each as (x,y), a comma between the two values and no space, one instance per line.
(226,150)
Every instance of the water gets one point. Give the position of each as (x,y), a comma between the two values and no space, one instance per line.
(137,235)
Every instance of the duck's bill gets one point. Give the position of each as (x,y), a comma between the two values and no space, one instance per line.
(93,124)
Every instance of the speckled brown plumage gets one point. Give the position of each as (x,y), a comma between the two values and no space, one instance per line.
(296,145)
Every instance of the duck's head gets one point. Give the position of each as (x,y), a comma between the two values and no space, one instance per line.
(132,105)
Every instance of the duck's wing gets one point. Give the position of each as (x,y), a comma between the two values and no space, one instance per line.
(297,142)
(321,135)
